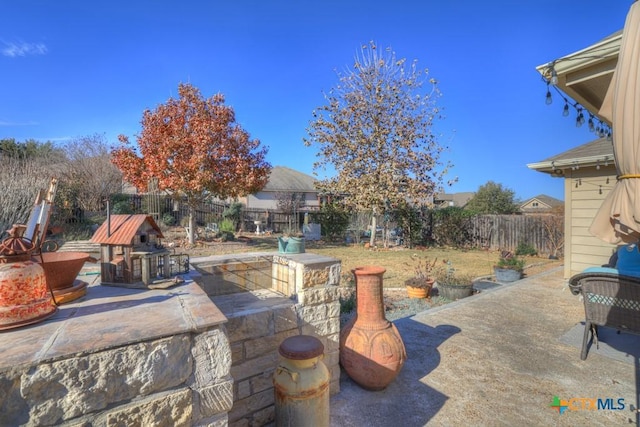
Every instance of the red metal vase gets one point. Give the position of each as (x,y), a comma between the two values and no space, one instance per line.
(371,348)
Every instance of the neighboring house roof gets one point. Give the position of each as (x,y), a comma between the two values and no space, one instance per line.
(544,203)
(123,229)
(594,153)
(453,199)
(286,179)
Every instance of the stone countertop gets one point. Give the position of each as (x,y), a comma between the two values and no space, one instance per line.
(108,317)
(304,258)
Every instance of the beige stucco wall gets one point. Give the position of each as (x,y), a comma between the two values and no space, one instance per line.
(585,189)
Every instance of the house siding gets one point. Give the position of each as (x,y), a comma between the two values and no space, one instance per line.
(535,205)
(583,188)
(269,200)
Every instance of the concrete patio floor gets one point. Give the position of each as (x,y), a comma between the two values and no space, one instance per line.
(499,358)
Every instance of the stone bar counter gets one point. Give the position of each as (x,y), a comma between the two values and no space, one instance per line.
(120,357)
(200,353)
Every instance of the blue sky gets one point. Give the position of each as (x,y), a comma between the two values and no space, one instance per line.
(70,69)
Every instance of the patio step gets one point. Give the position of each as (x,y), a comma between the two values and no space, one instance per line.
(80,246)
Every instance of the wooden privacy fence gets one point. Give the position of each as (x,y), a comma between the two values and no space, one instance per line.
(506,232)
(543,232)
(274,220)
(158,205)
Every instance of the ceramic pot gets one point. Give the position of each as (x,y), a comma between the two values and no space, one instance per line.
(507,275)
(371,349)
(24,296)
(455,292)
(422,291)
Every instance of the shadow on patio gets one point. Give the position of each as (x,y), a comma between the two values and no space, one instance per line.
(499,358)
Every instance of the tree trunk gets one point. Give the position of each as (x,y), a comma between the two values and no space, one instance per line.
(385,235)
(192,226)
(374,225)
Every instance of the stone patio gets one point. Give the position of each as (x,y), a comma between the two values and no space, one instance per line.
(498,358)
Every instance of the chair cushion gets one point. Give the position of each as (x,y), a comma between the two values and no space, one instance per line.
(601,270)
(629,260)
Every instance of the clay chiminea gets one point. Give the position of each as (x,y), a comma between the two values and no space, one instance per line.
(371,348)
(24,295)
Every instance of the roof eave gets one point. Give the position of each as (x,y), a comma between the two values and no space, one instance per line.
(554,165)
(598,52)
(591,66)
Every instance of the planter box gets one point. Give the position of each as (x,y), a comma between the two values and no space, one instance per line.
(506,275)
(455,292)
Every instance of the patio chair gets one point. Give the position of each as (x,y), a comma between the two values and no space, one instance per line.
(609,300)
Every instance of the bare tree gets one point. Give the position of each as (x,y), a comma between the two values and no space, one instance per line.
(89,176)
(21,180)
(360,220)
(554,229)
(376,132)
(290,203)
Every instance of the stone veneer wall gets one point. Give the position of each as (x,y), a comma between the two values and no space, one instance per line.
(166,358)
(180,380)
(312,308)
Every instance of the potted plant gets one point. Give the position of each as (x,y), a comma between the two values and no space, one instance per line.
(419,286)
(453,285)
(509,267)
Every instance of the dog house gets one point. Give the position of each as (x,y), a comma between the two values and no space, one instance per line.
(131,252)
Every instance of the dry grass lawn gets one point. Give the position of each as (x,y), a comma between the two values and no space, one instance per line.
(398,261)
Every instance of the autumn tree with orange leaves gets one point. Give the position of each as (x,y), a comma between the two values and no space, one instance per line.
(195,150)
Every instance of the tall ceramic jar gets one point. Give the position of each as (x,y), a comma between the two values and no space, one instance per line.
(371,348)
(24,295)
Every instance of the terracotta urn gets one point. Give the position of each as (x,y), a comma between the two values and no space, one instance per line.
(371,349)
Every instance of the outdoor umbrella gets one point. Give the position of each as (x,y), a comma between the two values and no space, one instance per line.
(618,220)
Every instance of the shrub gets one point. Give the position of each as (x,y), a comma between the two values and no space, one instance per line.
(333,219)
(227,225)
(234,214)
(448,276)
(409,219)
(526,249)
(227,236)
(509,261)
(451,227)
(348,303)
(168,219)
(423,268)
(122,208)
